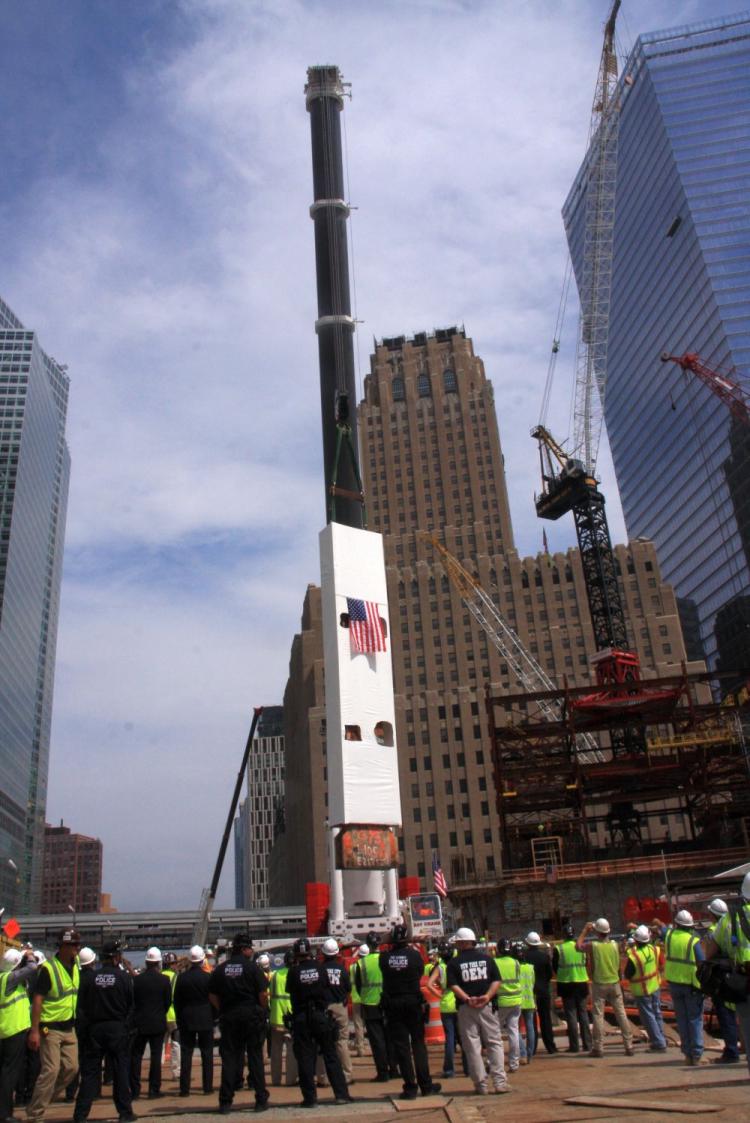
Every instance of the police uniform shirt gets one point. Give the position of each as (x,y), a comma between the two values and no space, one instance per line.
(402,969)
(106,994)
(472,971)
(339,983)
(238,982)
(306,984)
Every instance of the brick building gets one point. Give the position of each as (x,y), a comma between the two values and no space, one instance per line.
(72,871)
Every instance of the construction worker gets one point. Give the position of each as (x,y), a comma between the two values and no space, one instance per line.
(642,973)
(313,1029)
(53,1012)
(357,1019)
(369,983)
(539,956)
(683,952)
(195,1021)
(508,999)
(474,979)
(726,1012)
(448,1011)
(238,990)
(152,997)
(17,971)
(527,1044)
(106,1000)
(604,965)
(731,938)
(280,1007)
(569,965)
(172,1050)
(339,987)
(402,970)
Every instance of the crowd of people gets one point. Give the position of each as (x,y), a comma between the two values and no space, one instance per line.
(70,1020)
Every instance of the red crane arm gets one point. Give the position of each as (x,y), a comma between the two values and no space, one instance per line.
(722,385)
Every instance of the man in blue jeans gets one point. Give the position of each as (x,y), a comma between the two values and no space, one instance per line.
(726,1015)
(683,953)
(731,938)
(642,973)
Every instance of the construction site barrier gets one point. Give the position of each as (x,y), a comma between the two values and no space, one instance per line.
(434,1034)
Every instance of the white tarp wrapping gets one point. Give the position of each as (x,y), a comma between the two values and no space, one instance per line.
(363,770)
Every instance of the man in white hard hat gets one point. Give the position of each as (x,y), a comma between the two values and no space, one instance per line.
(642,973)
(339,986)
(726,1015)
(474,978)
(17,970)
(152,996)
(195,1021)
(731,938)
(604,969)
(683,953)
(539,956)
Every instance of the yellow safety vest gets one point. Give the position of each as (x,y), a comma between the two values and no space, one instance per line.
(59,1003)
(15,1008)
(571,964)
(280,1002)
(371,979)
(528,978)
(447,998)
(509,991)
(680,946)
(721,934)
(605,959)
(172,976)
(646,978)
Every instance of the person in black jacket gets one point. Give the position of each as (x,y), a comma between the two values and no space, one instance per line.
(105,999)
(539,956)
(195,1021)
(238,989)
(402,969)
(313,1028)
(152,996)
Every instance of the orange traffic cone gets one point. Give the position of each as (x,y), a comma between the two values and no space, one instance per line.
(434,1034)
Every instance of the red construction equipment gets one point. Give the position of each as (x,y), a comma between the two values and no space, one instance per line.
(724,386)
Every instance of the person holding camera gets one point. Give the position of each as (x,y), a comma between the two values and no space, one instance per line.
(312,1026)
(402,968)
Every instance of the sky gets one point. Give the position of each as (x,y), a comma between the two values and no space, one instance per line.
(155,233)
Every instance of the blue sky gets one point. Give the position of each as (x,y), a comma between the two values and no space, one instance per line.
(155,232)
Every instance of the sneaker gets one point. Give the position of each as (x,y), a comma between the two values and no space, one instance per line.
(503,1090)
(480,1090)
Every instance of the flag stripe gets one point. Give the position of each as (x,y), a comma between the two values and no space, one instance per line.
(365,626)
(438,877)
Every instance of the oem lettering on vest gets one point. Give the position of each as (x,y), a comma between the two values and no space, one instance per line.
(477,969)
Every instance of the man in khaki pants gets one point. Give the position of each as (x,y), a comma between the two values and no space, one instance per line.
(604,969)
(53,1012)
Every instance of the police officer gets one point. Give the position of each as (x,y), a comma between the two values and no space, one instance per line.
(106,1001)
(238,989)
(312,1027)
(402,969)
(340,987)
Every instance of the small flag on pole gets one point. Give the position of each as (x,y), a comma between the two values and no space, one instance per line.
(365,626)
(438,877)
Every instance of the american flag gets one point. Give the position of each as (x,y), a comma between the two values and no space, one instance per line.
(438,877)
(365,626)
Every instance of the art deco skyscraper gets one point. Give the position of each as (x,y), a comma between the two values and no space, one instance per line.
(34,474)
(681,283)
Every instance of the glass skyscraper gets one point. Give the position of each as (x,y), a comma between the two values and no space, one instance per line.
(681,282)
(34,475)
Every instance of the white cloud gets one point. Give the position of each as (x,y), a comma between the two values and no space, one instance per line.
(175,274)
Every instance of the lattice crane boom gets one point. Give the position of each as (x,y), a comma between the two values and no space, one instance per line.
(724,386)
(524,666)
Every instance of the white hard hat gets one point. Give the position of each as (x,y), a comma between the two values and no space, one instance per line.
(330,947)
(363,950)
(718,907)
(11,958)
(153,955)
(86,957)
(684,919)
(602,926)
(196,954)
(533,939)
(465,934)
(745,890)
(642,934)
(40,957)
(263,960)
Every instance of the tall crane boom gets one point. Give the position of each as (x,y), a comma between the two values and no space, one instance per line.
(722,385)
(595,281)
(524,666)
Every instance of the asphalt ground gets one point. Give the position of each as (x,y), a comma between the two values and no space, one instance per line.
(647,1088)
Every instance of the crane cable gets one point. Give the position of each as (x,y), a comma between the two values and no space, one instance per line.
(559,323)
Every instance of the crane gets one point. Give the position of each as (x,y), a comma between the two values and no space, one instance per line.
(724,386)
(522,663)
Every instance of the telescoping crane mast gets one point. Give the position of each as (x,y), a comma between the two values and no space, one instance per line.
(522,663)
